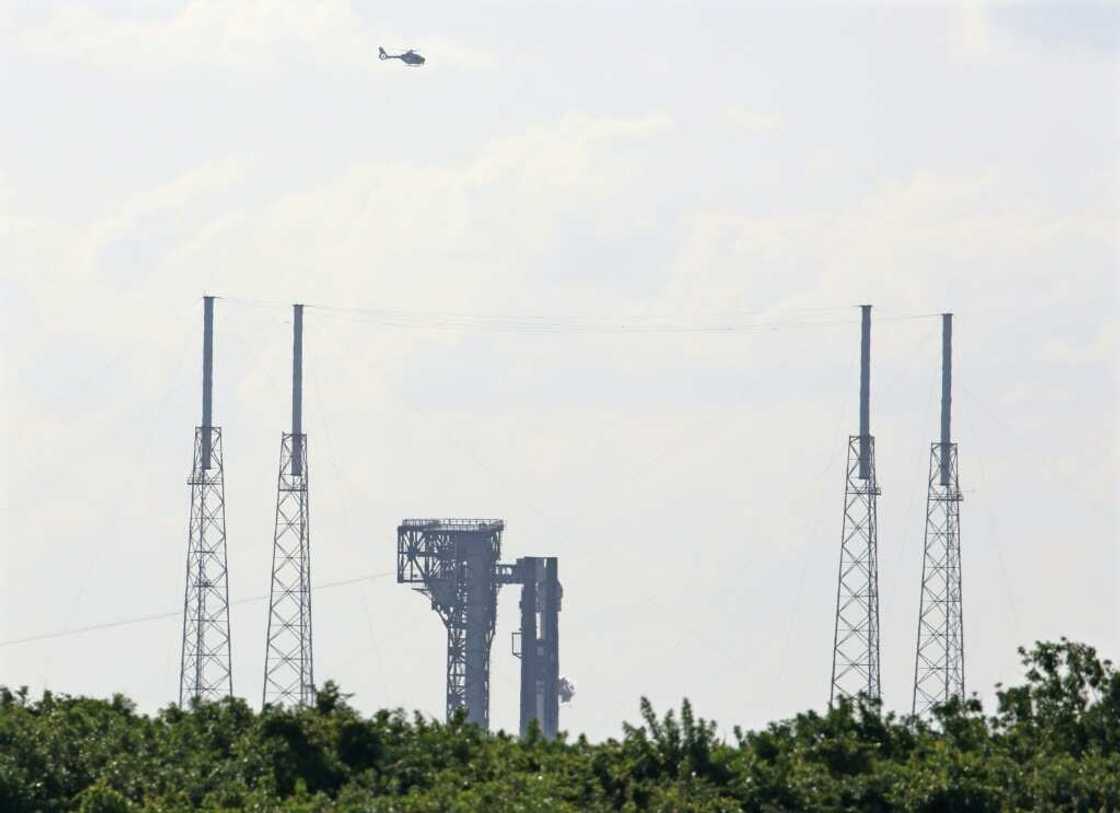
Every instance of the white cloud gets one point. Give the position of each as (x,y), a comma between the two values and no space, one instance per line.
(916,244)
(1100,346)
(458,237)
(999,33)
(753,121)
(252,37)
(384,232)
(974,39)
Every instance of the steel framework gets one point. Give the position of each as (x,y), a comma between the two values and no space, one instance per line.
(855,653)
(855,642)
(289,671)
(289,674)
(204,671)
(204,665)
(537,643)
(456,562)
(939,661)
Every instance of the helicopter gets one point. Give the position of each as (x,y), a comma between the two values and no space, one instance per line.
(409,57)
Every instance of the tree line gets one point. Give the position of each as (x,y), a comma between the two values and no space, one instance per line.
(1051,743)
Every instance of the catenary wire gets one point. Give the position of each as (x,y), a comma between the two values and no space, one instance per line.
(530,324)
(141,619)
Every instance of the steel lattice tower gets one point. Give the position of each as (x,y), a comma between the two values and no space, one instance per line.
(204,669)
(855,651)
(939,660)
(456,562)
(289,674)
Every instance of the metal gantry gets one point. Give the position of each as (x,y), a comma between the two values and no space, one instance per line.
(939,659)
(289,672)
(456,563)
(855,643)
(204,667)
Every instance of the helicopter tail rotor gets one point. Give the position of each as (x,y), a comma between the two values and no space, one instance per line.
(381,53)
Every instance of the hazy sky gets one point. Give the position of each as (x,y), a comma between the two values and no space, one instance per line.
(563,167)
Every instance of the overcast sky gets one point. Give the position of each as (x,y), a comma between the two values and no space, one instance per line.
(564,168)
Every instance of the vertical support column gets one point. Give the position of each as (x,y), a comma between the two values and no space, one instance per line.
(481,609)
(946,394)
(549,669)
(864,390)
(455,620)
(540,644)
(297,389)
(207,376)
(527,571)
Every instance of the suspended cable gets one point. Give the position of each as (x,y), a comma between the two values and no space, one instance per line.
(727,322)
(142,619)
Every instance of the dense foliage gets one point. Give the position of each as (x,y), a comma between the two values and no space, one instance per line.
(1053,743)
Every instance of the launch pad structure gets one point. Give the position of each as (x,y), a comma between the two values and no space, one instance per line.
(537,643)
(455,563)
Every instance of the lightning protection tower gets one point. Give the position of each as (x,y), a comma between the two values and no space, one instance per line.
(204,668)
(855,651)
(939,660)
(289,675)
(455,562)
(537,643)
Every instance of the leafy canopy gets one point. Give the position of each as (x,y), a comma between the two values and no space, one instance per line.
(1052,743)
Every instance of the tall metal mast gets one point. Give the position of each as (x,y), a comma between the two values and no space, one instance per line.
(204,668)
(855,649)
(289,675)
(939,660)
